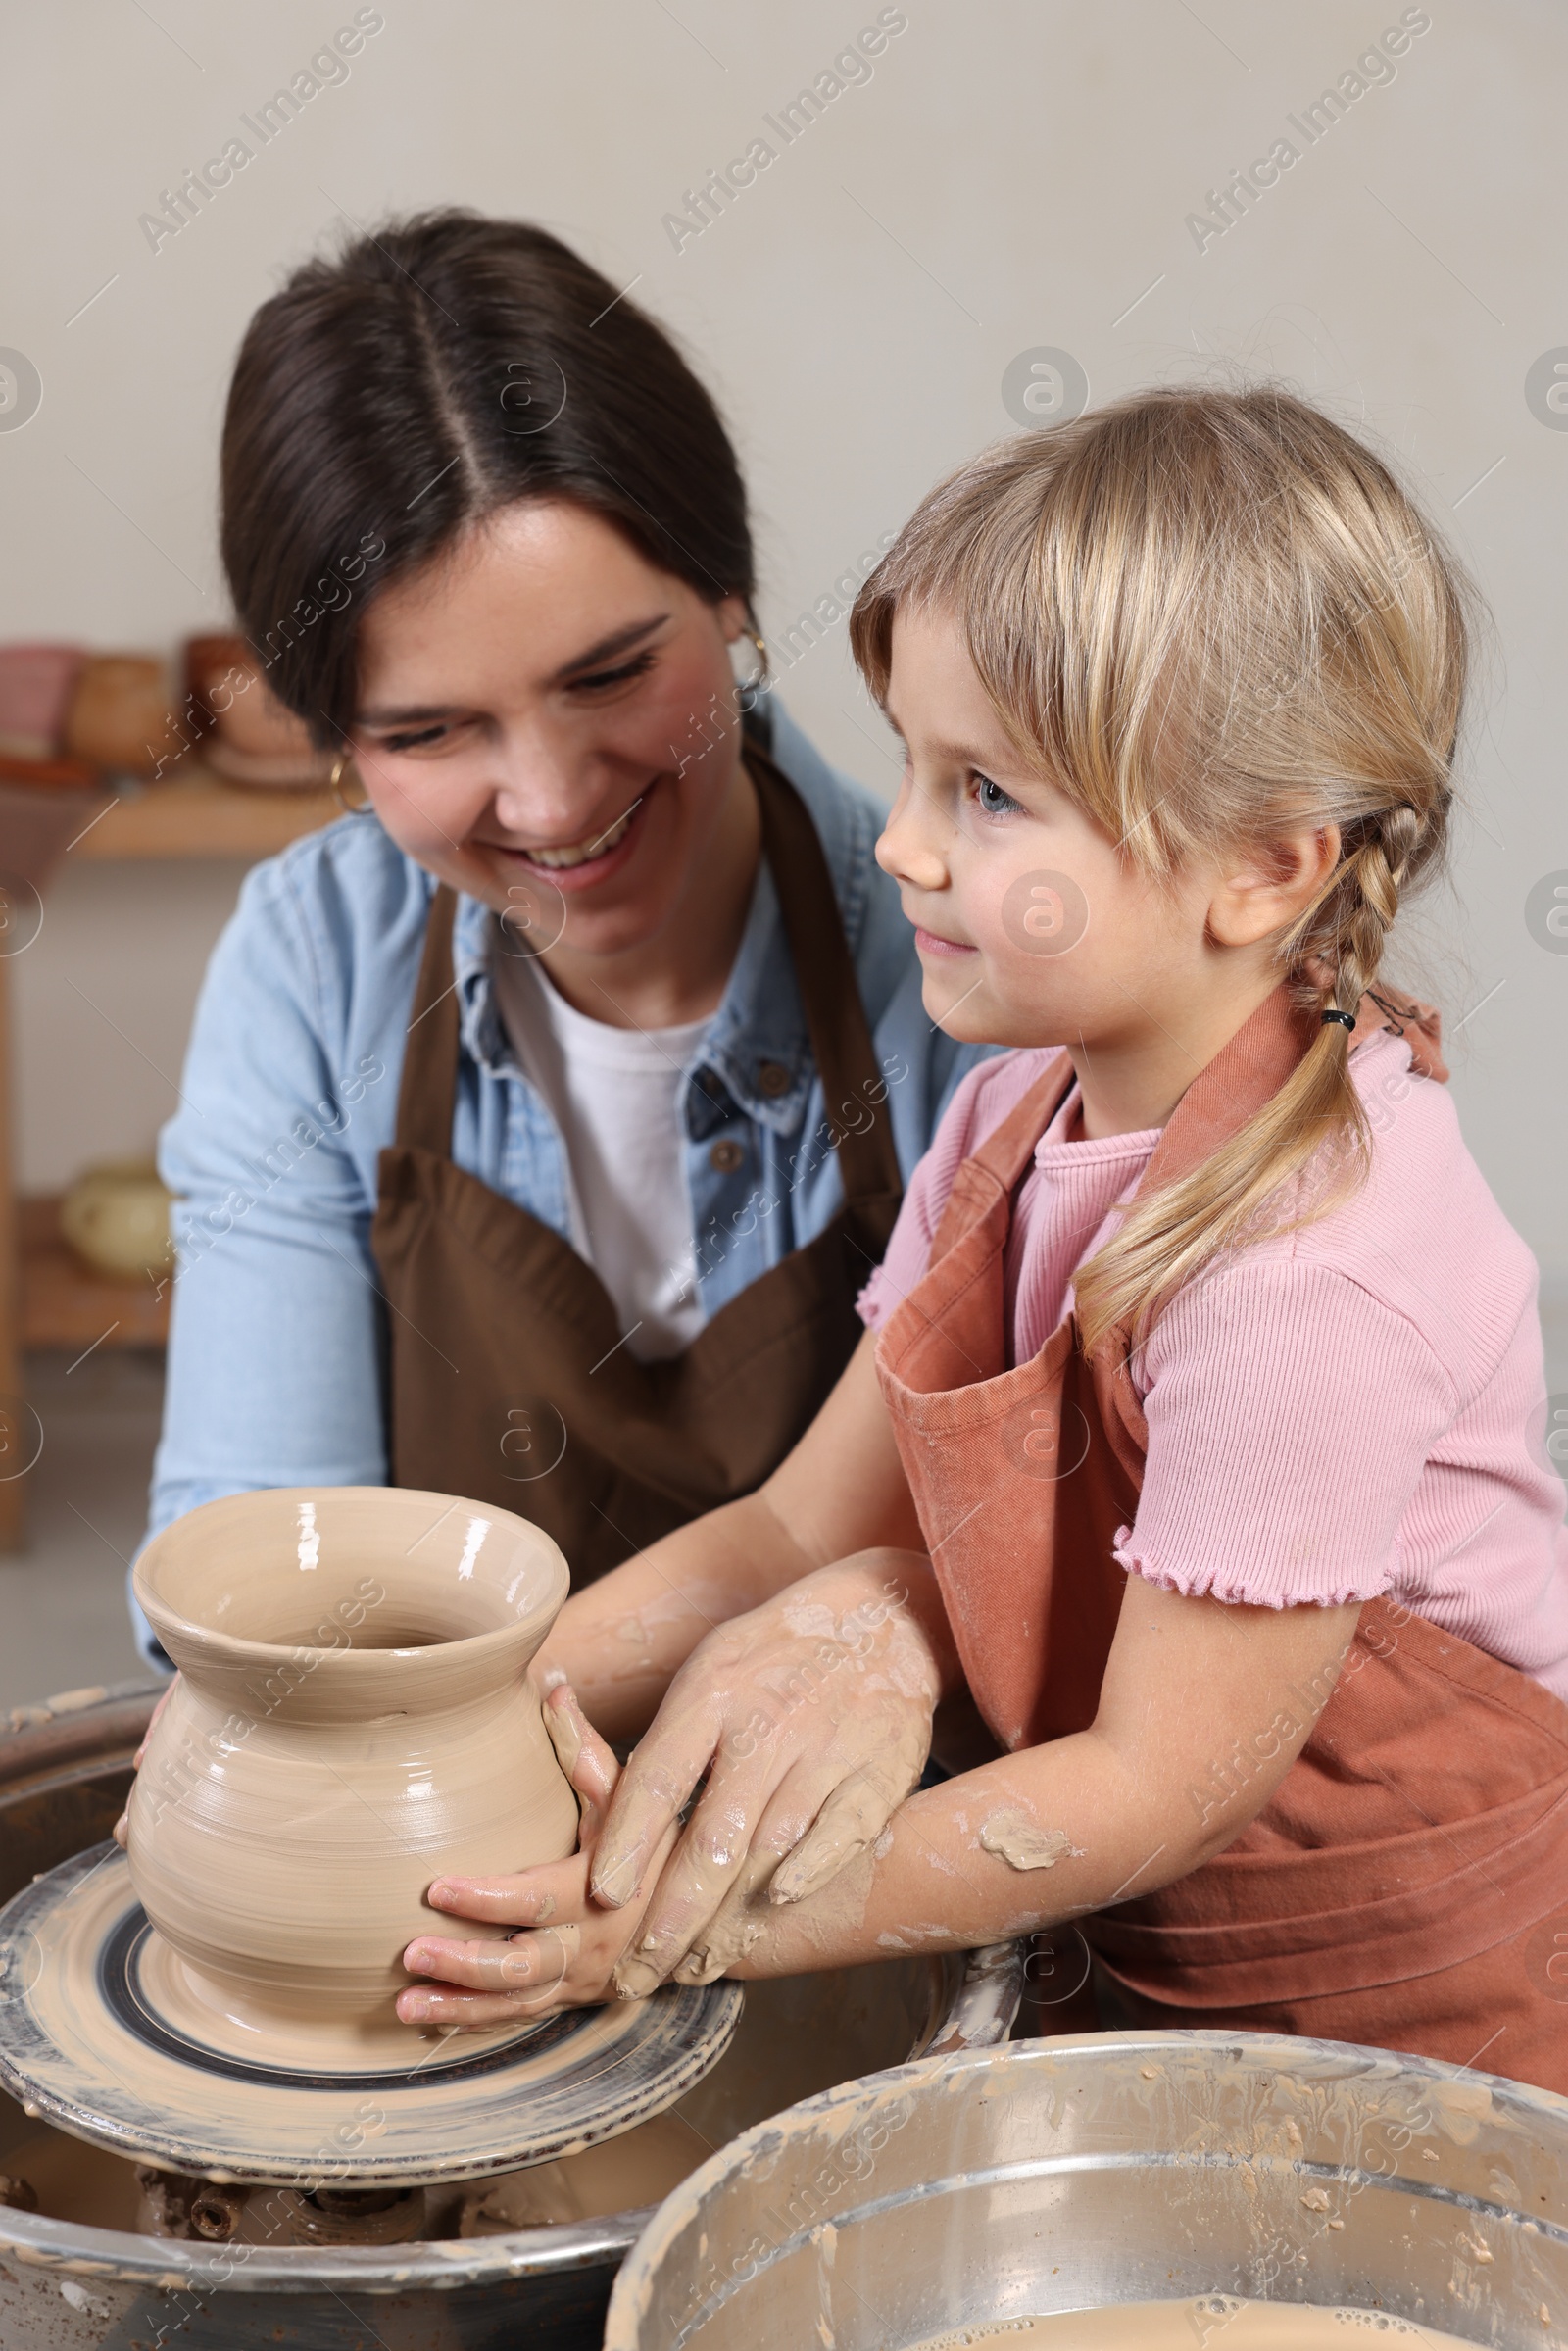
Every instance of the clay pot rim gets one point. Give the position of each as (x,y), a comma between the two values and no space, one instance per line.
(232,1649)
(527,1628)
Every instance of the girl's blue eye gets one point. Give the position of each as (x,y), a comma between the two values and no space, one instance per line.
(992,798)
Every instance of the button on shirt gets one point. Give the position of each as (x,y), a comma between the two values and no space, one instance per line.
(290,1092)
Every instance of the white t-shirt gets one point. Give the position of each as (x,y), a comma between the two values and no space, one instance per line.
(615,1095)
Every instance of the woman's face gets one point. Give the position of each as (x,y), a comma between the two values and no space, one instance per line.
(548,722)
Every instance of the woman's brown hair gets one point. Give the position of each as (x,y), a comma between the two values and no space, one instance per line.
(1213,617)
(441,368)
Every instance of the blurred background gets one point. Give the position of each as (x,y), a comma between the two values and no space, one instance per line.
(1014,208)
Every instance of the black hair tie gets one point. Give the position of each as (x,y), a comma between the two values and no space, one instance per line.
(1347,1020)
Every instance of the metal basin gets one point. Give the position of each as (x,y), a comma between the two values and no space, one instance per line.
(1069,2173)
(70,2285)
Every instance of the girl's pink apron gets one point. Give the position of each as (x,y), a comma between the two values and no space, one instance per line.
(1407,1883)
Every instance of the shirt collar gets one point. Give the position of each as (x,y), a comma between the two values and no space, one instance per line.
(479,1024)
(758,1045)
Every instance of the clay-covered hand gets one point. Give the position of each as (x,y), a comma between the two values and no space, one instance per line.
(812,1718)
(121,1830)
(565,1951)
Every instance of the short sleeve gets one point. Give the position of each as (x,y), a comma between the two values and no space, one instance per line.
(1290,1414)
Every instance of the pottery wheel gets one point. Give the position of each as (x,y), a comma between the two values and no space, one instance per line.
(86,2044)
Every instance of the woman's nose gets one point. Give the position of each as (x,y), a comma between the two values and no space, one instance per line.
(541,789)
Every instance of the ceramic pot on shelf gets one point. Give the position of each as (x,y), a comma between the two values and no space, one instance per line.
(116,1217)
(253,739)
(353,1719)
(36,683)
(119,717)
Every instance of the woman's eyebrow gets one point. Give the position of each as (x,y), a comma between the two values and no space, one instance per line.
(621,641)
(416,714)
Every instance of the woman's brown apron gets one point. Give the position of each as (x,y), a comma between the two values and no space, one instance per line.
(1406,1884)
(507,1379)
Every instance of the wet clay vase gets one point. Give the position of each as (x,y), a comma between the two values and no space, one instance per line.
(352,1720)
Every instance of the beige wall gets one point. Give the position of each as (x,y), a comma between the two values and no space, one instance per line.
(1014,174)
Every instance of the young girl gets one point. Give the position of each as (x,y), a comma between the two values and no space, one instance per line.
(1192,1430)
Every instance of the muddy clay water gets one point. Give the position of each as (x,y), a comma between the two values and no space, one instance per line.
(70,2181)
(1217,2323)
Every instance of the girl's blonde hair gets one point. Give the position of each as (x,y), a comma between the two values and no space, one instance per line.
(1213,618)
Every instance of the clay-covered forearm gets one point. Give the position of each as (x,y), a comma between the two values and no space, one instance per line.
(620,1641)
(1154,1788)
(1017,1845)
(908,1582)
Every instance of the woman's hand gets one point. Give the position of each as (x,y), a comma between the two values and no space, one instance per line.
(568,1947)
(812,1718)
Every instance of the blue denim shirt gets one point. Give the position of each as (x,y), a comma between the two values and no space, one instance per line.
(290,1092)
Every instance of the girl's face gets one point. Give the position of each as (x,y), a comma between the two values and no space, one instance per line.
(1033,925)
(548,722)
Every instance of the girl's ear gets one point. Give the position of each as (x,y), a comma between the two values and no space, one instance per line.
(1272,885)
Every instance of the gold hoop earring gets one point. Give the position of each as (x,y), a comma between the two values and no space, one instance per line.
(334,784)
(756,683)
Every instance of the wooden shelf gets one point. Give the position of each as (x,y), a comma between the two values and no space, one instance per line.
(47,1296)
(65,1305)
(197,814)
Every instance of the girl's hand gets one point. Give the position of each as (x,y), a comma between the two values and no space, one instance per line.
(567,1950)
(812,1718)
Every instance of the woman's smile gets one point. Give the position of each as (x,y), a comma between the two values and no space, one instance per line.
(549,773)
(582,865)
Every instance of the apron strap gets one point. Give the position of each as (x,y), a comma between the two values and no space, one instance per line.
(1009,1148)
(993,1169)
(428,1089)
(824,973)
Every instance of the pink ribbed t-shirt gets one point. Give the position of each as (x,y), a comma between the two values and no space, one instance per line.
(1351,1408)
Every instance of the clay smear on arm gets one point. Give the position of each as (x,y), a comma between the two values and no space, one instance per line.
(1014,1838)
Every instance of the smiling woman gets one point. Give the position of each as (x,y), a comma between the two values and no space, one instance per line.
(612,929)
(547,784)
